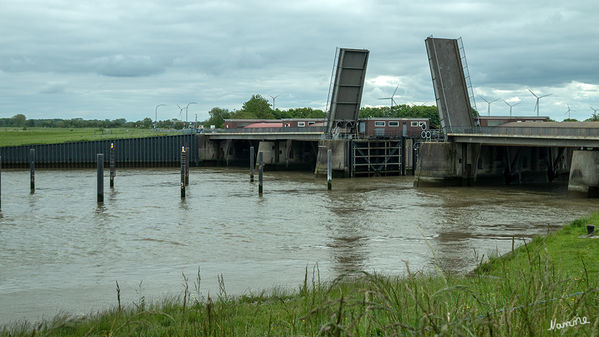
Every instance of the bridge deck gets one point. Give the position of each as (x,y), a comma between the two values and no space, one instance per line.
(307,134)
(531,134)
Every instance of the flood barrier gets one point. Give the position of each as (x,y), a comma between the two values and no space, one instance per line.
(128,152)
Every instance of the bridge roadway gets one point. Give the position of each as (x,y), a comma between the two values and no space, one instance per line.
(304,134)
(541,134)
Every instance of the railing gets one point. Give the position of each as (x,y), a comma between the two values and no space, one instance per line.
(528,131)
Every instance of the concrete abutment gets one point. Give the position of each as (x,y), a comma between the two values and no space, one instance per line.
(584,173)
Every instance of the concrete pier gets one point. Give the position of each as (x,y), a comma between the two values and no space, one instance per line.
(339,157)
(446,163)
(584,173)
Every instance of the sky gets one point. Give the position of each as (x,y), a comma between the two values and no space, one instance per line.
(114,59)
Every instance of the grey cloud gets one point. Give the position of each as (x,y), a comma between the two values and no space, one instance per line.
(128,65)
(53,88)
(220,52)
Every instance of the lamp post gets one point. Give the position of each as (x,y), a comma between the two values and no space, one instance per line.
(156,114)
(186,108)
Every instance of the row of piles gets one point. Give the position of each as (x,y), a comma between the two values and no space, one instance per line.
(184,171)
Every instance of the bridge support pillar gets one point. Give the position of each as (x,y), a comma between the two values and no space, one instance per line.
(447,164)
(339,157)
(207,150)
(584,173)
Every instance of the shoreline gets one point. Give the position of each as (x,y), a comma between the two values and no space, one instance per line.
(552,278)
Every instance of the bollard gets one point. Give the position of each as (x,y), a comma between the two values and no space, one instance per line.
(260,170)
(32,171)
(112,165)
(590,229)
(186,165)
(100,164)
(183,172)
(251,164)
(329,170)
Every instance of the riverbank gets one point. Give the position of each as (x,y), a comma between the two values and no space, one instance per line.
(37,135)
(548,283)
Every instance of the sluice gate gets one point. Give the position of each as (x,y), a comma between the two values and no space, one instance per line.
(377,158)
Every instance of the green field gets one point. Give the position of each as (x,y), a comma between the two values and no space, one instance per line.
(32,136)
(543,283)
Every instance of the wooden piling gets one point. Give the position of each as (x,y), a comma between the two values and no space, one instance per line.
(112,165)
(183,172)
(186,165)
(32,171)
(252,164)
(100,177)
(260,171)
(329,171)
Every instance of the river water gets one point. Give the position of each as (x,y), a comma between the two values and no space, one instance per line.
(60,252)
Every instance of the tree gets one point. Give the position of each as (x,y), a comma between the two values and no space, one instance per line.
(217,117)
(18,120)
(305,113)
(259,107)
(146,123)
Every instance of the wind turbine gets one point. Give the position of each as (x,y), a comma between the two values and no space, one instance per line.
(274,98)
(392,98)
(595,117)
(569,112)
(180,110)
(489,104)
(511,106)
(538,98)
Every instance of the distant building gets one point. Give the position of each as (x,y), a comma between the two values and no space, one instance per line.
(392,127)
(274,123)
(373,127)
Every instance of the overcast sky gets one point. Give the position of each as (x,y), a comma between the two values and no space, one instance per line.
(119,59)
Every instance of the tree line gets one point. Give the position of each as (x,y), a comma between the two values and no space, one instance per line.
(257,107)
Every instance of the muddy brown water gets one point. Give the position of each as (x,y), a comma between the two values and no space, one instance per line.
(60,252)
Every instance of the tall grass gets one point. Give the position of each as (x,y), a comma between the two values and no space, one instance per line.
(515,295)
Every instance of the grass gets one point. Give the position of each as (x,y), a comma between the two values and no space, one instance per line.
(32,136)
(550,278)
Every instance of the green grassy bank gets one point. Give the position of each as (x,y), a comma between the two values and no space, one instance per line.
(546,282)
(31,136)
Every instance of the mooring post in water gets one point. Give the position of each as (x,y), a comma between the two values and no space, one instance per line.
(100,165)
(251,164)
(32,171)
(183,172)
(329,171)
(186,165)
(260,170)
(112,165)
(0,182)
(414,157)
(403,156)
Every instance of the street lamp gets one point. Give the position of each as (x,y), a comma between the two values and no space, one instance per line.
(186,108)
(156,114)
